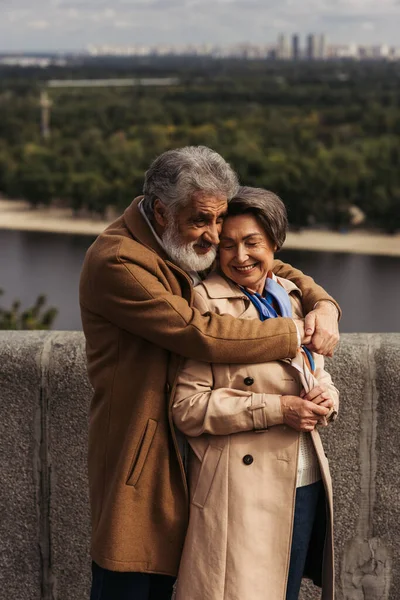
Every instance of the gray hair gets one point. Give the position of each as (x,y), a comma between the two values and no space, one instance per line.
(268,209)
(175,175)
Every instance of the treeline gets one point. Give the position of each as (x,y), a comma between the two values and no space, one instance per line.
(325,137)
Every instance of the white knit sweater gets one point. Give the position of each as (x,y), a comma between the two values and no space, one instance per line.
(308,470)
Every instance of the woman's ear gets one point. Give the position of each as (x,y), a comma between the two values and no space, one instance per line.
(160,213)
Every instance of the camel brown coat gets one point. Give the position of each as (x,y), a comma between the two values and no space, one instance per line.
(243,468)
(138,317)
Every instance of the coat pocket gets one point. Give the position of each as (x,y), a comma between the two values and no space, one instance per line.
(206,475)
(141,452)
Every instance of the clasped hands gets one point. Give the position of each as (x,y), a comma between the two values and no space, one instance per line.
(304,412)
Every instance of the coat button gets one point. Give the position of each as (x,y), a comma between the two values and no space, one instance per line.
(248,381)
(248,459)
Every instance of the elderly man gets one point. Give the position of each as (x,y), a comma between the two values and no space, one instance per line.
(136,301)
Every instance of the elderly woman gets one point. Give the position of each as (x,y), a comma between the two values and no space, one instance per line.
(260,488)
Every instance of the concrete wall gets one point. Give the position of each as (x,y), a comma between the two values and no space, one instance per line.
(44,515)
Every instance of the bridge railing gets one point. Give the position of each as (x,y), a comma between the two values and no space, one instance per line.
(44,512)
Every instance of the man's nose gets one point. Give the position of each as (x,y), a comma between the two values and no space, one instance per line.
(212,234)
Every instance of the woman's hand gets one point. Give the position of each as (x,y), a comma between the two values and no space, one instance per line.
(302,414)
(319,395)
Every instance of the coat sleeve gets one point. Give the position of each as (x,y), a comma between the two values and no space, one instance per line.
(311,291)
(325,379)
(133,298)
(197,408)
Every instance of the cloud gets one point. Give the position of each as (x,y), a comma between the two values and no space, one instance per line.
(149,22)
(38,24)
(126,5)
(368,26)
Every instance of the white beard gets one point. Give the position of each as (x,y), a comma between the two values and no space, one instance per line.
(184,255)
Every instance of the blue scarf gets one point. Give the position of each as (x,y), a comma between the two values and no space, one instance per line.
(274,292)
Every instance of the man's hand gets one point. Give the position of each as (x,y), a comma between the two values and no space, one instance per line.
(321,329)
(301,414)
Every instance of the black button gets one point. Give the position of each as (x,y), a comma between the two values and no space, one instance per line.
(248,381)
(248,459)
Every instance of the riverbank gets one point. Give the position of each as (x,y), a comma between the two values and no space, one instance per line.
(17,215)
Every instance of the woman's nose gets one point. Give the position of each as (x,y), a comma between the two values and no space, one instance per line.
(241,255)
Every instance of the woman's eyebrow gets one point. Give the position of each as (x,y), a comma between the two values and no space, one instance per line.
(252,235)
(246,237)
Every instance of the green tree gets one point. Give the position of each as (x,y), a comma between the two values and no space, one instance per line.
(35,177)
(91,191)
(35,317)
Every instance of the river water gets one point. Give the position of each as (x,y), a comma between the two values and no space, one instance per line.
(366,287)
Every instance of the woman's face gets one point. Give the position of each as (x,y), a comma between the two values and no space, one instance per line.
(246,253)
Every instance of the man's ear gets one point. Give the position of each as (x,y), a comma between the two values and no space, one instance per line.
(160,213)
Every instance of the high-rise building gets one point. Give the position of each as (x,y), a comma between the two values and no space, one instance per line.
(311,46)
(321,47)
(282,48)
(316,48)
(295,46)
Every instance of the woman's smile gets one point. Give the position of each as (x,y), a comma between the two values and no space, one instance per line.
(246,253)
(246,268)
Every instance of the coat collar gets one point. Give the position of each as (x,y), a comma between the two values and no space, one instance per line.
(218,286)
(288,285)
(140,230)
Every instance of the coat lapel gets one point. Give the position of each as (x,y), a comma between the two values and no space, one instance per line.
(139,229)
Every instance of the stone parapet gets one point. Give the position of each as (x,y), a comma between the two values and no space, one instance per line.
(44,523)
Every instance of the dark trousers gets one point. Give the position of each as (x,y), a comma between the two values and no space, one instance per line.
(110,585)
(307,498)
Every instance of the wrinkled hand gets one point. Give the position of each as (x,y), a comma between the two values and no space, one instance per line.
(321,329)
(319,395)
(301,414)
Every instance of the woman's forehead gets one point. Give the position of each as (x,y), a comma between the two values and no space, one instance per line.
(242,226)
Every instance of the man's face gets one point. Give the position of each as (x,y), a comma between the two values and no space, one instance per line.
(191,236)
(200,222)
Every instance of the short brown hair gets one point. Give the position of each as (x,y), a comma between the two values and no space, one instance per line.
(268,209)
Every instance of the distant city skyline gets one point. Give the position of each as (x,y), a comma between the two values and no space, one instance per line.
(72,25)
(313,47)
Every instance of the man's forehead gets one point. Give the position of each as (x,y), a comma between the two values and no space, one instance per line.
(204,202)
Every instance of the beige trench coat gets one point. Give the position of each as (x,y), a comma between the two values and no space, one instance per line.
(238,542)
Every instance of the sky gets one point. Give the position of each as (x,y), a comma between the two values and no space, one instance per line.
(60,25)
